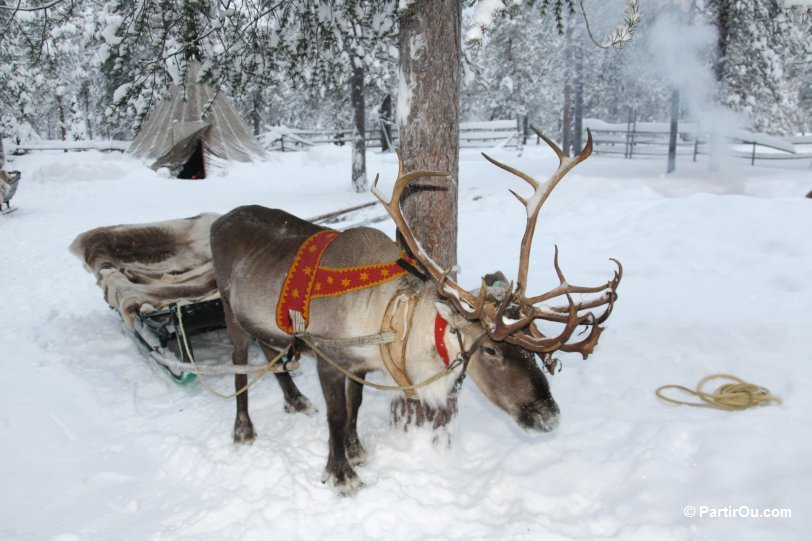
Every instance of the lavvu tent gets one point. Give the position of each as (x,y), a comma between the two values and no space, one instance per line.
(194,130)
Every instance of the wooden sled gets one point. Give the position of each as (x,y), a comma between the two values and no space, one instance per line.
(168,335)
(159,278)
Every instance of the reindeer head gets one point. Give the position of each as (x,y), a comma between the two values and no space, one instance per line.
(508,320)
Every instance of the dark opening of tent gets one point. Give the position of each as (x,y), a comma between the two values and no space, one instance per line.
(194,167)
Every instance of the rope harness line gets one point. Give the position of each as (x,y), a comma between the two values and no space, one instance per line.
(311,341)
(397,324)
(323,356)
(735,396)
(263,371)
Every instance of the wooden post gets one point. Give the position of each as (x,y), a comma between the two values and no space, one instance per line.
(633,135)
(626,153)
(753,156)
(672,136)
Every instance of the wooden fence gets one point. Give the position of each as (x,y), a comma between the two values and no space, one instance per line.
(631,139)
(67,146)
(637,139)
(484,134)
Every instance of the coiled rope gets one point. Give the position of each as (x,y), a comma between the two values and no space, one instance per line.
(738,395)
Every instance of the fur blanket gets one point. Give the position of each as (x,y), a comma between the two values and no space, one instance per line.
(145,267)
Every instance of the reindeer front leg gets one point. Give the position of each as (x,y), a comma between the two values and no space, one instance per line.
(339,472)
(295,401)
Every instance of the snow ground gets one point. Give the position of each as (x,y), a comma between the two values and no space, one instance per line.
(98,444)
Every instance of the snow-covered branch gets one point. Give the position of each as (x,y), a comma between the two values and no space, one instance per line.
(622,33)
(20,7)
(487,12)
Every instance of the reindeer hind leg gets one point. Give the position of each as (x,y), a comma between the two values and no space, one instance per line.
(243,427)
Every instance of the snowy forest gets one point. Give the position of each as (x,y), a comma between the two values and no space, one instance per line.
(92,69)
(117,417)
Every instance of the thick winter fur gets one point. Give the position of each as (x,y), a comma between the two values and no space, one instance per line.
(150,266)
(252,249)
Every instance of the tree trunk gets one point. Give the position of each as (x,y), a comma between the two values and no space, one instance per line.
(428,118)
(359,143)
(256,116)
(63,127)
(385,114)
(578,109)
(723,22)
(84,96)
(566,119)
(2,152)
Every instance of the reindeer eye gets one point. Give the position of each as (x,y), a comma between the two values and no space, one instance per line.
(489,351)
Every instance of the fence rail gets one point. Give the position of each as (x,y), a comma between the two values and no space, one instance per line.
(68,146)
(651,139)
(631,139)
(484,134)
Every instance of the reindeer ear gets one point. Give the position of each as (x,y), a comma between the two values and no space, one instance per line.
(448,313)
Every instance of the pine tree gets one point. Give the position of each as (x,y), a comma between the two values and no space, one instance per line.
(758,47)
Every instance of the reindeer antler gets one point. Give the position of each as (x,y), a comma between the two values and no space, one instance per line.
(521,331)
(467,304)
(568,315)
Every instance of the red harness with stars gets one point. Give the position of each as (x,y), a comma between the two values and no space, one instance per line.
(307,280)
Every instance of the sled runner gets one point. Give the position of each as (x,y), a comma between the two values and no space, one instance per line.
(167,335)
(8,187)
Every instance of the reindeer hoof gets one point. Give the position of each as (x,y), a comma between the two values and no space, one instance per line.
(357,458)
(244,430)
(356,454)
(345,483)
(300,405)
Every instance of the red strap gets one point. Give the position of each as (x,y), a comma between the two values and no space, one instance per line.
(440,325)
(298,285)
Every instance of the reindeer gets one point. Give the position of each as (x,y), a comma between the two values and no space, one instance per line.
(493,333)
